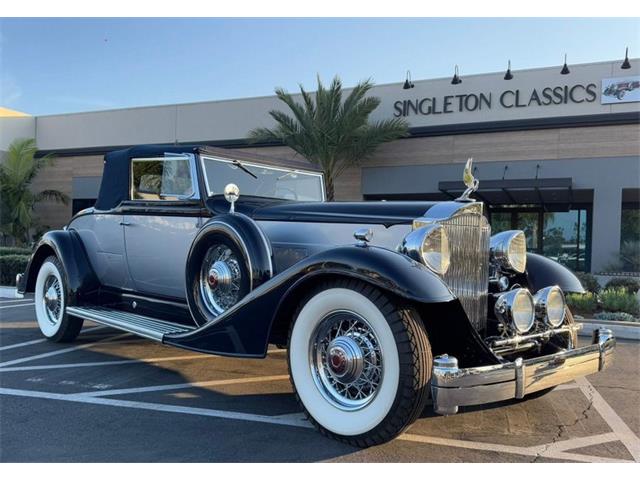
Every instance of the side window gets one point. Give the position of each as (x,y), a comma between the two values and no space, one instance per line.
(161,179)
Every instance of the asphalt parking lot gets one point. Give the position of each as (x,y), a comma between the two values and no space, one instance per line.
(113,397)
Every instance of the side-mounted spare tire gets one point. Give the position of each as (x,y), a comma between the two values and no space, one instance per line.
(229,257)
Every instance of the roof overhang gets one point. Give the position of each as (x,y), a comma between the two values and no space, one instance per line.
(534,191)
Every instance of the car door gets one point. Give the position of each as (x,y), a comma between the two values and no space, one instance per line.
(160,221)
(103,237)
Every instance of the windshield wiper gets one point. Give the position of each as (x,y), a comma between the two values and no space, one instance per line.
(244,169)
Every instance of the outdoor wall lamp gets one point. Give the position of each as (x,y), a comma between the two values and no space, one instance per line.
(626,64)
(456,78)
(508,75)
(408,83)
(565,68)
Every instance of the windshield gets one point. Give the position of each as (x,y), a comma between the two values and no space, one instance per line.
(262,180)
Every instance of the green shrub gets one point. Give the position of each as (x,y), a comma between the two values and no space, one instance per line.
(10,265)
(583,302)
(620,300)
(4,251)
(616,317)
(631,285)
(588,281)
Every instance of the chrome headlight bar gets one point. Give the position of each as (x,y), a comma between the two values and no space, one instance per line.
(428,245)
(509,250)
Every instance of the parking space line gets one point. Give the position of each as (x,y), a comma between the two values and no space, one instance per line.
(625,434)
(42,340)
(61,351)
(538,450)
(179,386)
(16,306)
(287,420)
(16,300)
(580,442)
(557,451)
(106,363)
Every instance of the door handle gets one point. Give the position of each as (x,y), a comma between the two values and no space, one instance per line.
(125,224)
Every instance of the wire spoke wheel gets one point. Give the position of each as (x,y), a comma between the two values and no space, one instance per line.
(346,360)
(52,299)
(220,279)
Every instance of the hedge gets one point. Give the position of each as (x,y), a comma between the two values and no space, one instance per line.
(10,265)
(631,285)
(588,281)
(4,251)
(620,300)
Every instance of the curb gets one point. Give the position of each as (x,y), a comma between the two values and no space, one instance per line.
(9,292)
(622,330)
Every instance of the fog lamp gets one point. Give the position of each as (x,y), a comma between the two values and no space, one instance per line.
(550,306)
(516,308)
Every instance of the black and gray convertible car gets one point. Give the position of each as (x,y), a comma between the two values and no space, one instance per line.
(381,305)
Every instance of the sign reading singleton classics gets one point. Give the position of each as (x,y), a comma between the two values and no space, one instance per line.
(516,98)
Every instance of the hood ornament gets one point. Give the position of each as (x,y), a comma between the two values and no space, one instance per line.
(470,181)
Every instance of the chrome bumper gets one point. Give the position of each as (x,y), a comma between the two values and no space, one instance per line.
(453,387)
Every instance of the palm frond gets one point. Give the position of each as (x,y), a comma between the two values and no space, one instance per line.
(52,195)
(329,132)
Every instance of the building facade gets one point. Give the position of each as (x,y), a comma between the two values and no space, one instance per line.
(556,155)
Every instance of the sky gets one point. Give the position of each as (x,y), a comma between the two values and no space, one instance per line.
(50,66)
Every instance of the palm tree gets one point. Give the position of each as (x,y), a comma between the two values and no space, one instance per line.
(17,172)
(328,132)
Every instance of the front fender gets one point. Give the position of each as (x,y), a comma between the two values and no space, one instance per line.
(543,272)
(81,280)
(244,329)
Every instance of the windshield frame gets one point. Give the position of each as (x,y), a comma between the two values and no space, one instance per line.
(210,193)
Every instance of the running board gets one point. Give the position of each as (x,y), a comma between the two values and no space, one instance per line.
(147,327)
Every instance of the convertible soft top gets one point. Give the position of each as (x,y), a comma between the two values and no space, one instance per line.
(114,187)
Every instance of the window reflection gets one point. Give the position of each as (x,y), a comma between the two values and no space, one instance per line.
(564,236)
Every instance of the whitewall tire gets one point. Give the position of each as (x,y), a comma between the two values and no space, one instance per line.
(51,299)
(360,364)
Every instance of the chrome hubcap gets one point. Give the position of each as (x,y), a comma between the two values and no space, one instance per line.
(220,279)
(52,299)
(346,360)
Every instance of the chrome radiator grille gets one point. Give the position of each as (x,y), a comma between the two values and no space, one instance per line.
(468,275)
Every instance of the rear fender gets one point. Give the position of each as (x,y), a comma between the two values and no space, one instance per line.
(82,283)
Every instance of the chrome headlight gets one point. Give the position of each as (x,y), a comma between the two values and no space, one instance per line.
(509,250)
(516,308)
(428,245)
(550,305)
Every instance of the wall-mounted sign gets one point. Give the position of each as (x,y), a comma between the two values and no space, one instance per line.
(507,99)
(620,90)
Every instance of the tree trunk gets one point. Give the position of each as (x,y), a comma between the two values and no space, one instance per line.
(329,188)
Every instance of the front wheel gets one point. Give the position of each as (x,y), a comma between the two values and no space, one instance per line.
(360,363)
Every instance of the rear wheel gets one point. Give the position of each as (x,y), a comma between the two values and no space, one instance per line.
(359,362)
(51,300)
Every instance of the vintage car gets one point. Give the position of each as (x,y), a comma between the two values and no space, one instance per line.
(619,89)
(220,252)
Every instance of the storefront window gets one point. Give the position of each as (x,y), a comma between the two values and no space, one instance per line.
(630,238)
(561,236)
(528,223)
(500,222)
(564,238)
